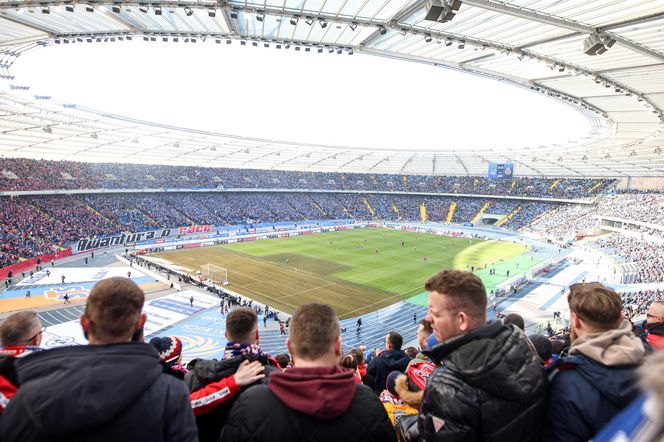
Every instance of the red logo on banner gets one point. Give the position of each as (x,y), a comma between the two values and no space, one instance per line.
(194,229)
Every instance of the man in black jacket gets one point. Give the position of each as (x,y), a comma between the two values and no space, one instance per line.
(316,400)
(212,408)
(392,359)
(489,384)
(111,390)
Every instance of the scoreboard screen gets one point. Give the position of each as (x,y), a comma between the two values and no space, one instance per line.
(501,170)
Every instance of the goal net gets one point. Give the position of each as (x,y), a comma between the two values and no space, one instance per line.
(215,274)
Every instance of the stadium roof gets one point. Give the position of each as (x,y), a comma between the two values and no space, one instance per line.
(542,45)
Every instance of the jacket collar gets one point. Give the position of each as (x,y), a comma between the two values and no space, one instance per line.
(438,352)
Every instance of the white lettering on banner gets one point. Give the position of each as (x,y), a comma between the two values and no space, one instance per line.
(86,244)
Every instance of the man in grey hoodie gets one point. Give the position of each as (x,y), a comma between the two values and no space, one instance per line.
(597,379)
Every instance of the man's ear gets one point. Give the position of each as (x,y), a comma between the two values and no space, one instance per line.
(141,321)
(258,337)
(85,323)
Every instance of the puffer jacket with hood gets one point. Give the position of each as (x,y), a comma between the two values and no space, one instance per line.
(115,392)
(593,383)
(489,385)
(309,404)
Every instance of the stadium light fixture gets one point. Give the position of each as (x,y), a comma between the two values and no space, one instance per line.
(330,50)
(309,21)
(320,50)
(254,43)
(89,8)
(462,44)
(234,14)
(260,16)
(286,45)
(597,44)
(266,45)
(441,11)
(382,30)
(228,41)
(212,12)
(143,9)
(339,51)
(353,26)
(297,48)
(428,38)
(116,8)
(307,49)
(350,51)
(448,42)
(69,8)
(188,11)
(278,46)
(322,23)
(45,10)
(164,39)
(243,43)
(294,20)
(157,10)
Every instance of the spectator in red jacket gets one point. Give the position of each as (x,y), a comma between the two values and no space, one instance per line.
(655,324)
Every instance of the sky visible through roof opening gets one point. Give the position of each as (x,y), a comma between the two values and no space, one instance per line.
(358,100)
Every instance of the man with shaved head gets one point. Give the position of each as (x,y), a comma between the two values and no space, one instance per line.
(110,390)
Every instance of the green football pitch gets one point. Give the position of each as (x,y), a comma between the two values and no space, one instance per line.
(355,271)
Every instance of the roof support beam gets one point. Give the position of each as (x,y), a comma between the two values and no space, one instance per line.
(527,14)
(635,47)
(27,24)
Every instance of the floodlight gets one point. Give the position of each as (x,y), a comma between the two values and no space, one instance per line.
(339,51)
(322,23)
(462,44)
(164,39)
(593,44)
(320,50)
(286,45)
(260,16)
(45,10)
(243,43)
(266,45)
(293,21)
(157,10)
(297,48)
(188,11)
(129,37)
(254,43)
(307,49)
(69,8)
(143,9)
(330,50)
(89,8)
(153,38)
(116,9)
(350,52)
(428,38)
(382,30)
(442,10)
(448,42)
(228,41)
(278,46)
(234,14)
(175,39)
(212,12)
(309,21)
(353,26)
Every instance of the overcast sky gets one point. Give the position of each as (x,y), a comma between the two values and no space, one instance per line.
(357,100)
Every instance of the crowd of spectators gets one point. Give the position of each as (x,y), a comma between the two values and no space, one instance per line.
(636,303)
(460,384)
(649,256)
(25,174)
(36,225)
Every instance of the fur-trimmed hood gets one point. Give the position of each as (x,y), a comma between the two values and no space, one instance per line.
(411,398)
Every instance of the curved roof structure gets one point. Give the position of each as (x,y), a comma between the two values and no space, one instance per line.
(604,58)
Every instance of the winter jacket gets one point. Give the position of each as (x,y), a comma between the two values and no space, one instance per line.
(384,363)
(309,404)
(214,391)
(655,335)
(97,393)
(489,385)
(8,378)
(592,384)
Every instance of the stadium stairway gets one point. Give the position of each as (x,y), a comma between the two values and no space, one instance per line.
(396,211)
(450,213)
(513,185)
(479,214)
(368,206)
(423,212)
(90,209)
(595,186)
(505,219)
(554,184)
(317,206)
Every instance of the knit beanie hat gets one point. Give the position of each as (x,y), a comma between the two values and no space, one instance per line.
(418,374)
(169,348)
(391,380)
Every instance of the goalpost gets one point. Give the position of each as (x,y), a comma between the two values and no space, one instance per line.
(215,273)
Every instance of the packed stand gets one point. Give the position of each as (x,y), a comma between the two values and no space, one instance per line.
(44,175)
(647,255)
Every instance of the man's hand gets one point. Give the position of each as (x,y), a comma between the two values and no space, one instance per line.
(248,373)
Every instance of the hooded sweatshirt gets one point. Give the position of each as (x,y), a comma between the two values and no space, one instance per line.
(593,383)
(313,404)
(97,392)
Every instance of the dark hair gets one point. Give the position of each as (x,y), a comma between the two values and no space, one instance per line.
(465,290)
(19,328)
(516,319)
(359,355)
(349,361)
(395,340)
(282,359)
(557,346)
(314,329)
(597,305)
(411,352)
(240,324)
(426,326)
(113,308)
(542,345)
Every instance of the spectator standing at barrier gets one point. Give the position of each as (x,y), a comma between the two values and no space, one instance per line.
(655,325)
(475,393)
(597,379)
(112,389)
(20,335)
(316,399)
(212,400)
(392,359)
